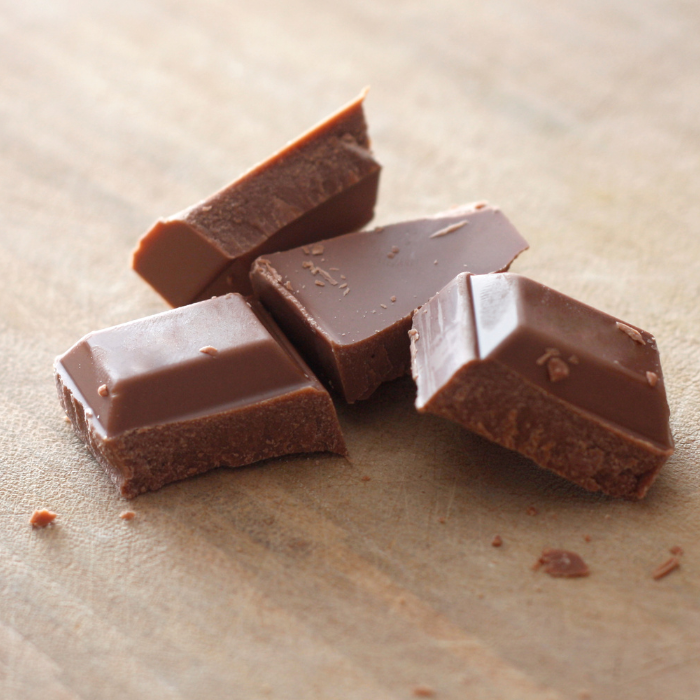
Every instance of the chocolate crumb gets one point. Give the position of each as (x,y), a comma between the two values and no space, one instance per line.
(365,478)
(209,350)
(395,249)
(676,550)
(383,306)
(562,564)
(549,353)
(413,333)
(434,262)
(42,518)
(666,568)
(334,269)
(288,286)
(574,360)
(327,276)
(66,419)
(390,256)
(317,249)
(342,286)
(306,249)
(557,369)
(103,390)
(392,299)
(307,264)
(319,283)
(127,515)
(423,691)
(652,378)
(480,205)
(449,229)
(584,695)
(343,277)
(532,510)
(586,538)
(631,332)
(347,291)
(497,541)
(442,520)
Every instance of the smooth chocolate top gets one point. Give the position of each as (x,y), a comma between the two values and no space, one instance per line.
(189,362)
(591,360)
(355,285)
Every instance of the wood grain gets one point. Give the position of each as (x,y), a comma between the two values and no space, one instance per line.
(296,578)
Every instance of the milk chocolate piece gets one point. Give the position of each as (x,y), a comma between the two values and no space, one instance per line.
(171,410)
(547,376)
(322,184)
(347,303)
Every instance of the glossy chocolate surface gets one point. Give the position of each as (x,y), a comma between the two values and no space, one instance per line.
(322,184)
(518,331)
(211,384)
(346,291)
(155,372)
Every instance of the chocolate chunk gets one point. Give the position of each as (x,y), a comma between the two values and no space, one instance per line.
(322,184)
(173,411)
(477,360)
(356,342)
(563,564)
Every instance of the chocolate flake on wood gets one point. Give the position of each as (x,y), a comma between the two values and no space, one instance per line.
(561,564)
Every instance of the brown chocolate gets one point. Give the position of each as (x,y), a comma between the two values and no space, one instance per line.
(42,518)
(172,411)
(562,564)
(482,350)
(322,184)
(349,311)
(666,568)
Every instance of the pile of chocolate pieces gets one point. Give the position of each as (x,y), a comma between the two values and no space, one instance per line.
(275,285)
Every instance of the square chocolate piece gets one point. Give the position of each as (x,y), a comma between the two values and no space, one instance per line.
(347,302)
(322,184)
(176,394)
(572,388)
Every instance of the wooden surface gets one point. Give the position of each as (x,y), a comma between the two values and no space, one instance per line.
(297,578)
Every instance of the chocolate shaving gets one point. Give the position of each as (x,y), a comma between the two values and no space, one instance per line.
(631,332)
(666,568)
(318,283)
(288,286)
(557,369)
(561,564)
(103,390)
(127,515)
(209,350)
(346,292)
(448,229)
(548,354)
(327,276)
(383,306)
(652,378)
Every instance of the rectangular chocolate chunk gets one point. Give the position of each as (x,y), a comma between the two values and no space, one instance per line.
(322,184)
(211,384)
(572,388)
(347,302)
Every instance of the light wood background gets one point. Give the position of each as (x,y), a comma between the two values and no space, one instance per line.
(296,578)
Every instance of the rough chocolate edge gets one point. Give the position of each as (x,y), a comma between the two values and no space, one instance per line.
(148,458)
(495,402)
